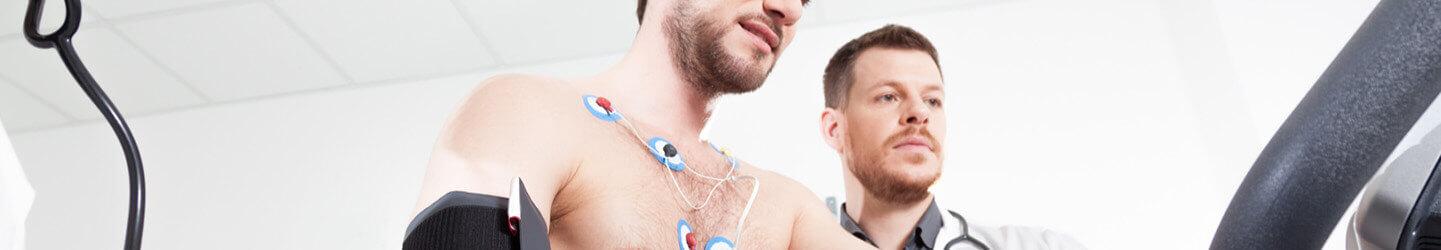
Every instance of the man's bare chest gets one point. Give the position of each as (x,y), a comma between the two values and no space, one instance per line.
(622,196)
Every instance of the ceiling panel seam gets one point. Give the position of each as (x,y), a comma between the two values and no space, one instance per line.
(368,84)
(125,38)
(176,11)
(485,42)
(310,42)
(27,92)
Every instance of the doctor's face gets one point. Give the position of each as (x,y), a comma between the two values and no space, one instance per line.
(895,123)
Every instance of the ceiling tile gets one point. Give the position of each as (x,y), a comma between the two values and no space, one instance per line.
(20,111)
(233,53)
(42,73)
(385,39)
(589,28)
(116,9)
(133,81)
(135,84)
(12,16)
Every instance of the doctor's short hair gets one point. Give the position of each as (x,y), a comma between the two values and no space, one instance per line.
(839,77)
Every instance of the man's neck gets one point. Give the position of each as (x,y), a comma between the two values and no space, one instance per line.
(648,89)
(889,225)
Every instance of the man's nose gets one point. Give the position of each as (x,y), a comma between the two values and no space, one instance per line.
(785,12)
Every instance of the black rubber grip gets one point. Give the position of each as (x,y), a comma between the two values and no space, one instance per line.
(1340,133)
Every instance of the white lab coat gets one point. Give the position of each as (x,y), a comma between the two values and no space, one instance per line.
(16,196)
(1005,237)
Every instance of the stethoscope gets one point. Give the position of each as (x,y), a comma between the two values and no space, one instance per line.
(60,40)
(965,234)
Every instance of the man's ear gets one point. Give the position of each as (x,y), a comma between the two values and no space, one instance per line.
(832,128)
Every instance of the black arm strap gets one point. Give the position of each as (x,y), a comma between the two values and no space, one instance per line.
(461,220)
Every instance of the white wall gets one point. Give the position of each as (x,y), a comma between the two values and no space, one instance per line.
(1124,123)
(1127,124)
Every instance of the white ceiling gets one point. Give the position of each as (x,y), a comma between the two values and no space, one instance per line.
(155,56)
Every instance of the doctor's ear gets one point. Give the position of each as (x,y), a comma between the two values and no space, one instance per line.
(832,127)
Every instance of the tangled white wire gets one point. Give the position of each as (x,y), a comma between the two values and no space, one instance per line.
(729,176)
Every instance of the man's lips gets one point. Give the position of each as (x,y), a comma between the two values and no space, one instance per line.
(914,142)
(761,30)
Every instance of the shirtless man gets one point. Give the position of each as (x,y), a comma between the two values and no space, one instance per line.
(597,184)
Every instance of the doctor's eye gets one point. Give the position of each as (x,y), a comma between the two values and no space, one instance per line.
(934,102)
(887,97)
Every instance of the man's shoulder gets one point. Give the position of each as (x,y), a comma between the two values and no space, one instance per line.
(793,194)
(518,110)
(787,188)
(522,100)
(508,126)
(521,89)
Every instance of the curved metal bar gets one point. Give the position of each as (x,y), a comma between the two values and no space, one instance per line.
(66,30)
(1340,133)
(60,40)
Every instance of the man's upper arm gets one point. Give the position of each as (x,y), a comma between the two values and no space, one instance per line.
(506,128)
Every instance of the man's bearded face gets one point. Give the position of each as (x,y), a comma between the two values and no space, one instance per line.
(722,50)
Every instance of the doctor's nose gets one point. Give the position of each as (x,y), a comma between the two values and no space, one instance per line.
(917,114)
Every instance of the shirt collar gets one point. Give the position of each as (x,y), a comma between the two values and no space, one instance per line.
(923,235)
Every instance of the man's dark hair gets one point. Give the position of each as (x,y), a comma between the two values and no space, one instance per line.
(838,77)
(640,11)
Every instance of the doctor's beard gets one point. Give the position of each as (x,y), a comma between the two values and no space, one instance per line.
(887,184)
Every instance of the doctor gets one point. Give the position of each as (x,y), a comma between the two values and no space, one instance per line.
(886,117)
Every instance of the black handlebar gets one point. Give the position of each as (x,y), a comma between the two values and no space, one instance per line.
(1340,133)
(60,40)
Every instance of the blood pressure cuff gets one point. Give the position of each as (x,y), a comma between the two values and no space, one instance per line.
(462,220)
